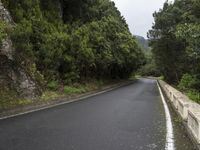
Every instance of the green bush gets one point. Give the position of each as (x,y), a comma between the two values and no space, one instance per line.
(71,47)
(194,95)
(189,82)
(149,70)
(53,85)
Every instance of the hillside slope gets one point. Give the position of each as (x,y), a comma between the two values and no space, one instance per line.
(65,42)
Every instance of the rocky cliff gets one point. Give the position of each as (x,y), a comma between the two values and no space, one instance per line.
(12,75)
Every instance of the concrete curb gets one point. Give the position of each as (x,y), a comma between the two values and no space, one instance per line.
(63,101)
(181,105)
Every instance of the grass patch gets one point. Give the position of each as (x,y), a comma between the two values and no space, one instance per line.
(9,99)
(74,90)
(53,85)
(9,104)
(49,95)
(82,88)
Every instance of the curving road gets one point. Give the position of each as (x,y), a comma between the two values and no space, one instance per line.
(128,118)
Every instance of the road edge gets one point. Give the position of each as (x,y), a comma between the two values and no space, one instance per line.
(183,123)
(169,145)
(48,106)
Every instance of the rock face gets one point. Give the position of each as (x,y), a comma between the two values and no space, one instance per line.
(12,75)
(4,14)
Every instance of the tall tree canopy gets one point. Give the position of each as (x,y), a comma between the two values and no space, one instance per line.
(175,39)
(74,40)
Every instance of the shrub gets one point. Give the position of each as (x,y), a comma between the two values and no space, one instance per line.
(189,82)
(194,95)
(53,85)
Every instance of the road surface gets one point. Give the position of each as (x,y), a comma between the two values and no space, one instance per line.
(128,118)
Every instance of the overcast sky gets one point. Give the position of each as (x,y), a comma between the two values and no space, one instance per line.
(138,14)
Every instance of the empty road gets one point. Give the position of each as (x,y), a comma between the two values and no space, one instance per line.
(128,118)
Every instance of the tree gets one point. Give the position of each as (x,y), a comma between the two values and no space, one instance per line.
(72,41)
(175,39)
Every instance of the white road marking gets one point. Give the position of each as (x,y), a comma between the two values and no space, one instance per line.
(170,134)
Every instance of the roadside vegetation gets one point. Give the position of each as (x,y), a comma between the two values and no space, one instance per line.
(56,92)
(175,42)
(72,41)
(149,68)
(70,47)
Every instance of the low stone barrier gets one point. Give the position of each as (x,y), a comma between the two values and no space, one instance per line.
(184,104)
(188,110)
(193,123)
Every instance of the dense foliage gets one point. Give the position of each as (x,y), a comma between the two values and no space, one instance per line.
(72,41)
(149,68)
(175,39)
(143,43)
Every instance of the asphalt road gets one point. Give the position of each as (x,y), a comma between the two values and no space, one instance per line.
(128,118)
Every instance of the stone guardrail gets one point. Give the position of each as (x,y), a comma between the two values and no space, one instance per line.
(188,110)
